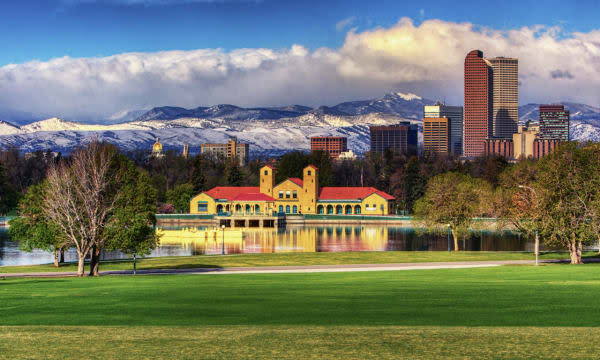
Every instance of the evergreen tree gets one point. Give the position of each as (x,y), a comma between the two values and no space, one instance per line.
(31,228)
(198,179)
(8,196)
(233,174)
(131,226)
(180,197)
(414,184)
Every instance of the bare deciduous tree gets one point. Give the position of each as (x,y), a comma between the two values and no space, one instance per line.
(78,199)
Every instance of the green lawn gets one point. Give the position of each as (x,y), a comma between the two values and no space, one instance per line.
(500,312)
(278,259)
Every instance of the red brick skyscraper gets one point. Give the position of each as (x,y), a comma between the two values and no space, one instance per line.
(478,103)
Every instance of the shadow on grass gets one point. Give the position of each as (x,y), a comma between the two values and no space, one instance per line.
(20,281)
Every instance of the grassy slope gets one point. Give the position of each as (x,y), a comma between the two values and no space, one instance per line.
(307,342)
(388,257)
(488,312)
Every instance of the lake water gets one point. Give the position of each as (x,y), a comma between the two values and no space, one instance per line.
(185,241)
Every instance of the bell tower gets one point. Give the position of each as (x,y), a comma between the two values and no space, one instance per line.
(267,180)
(310,189)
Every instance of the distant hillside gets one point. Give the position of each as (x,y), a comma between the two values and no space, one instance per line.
(269,130)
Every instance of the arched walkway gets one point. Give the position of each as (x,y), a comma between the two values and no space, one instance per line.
(320,209)
(348,209)
(338,209)
(357,209)
(329,209)
(257,209)
(238,208)
(219,209)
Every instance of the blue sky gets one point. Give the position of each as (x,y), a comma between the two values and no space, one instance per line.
(45,29)
(91,60)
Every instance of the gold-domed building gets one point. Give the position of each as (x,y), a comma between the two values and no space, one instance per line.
(157,149)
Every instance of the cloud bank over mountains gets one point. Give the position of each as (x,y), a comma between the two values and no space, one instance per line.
(425,59)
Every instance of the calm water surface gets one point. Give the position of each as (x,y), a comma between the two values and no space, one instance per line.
(185,241)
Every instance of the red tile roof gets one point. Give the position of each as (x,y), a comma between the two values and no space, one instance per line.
(230,192)
(350,193)
(253,197)
(312,166)
(252,193)
(269,165)
(296,181)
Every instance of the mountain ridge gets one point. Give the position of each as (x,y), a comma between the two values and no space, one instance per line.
(267,129)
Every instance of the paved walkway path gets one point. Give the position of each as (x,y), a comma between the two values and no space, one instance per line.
(297,269)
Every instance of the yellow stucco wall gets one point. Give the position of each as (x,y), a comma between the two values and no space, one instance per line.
(211,208)
(306,198)
(267,182)
(310,190)
(374,204)
(285,188)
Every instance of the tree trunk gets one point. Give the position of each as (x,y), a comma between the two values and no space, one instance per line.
(94,261)
(455,237)
(56,254)
(62,256)
(80,264)
(579,252)
(575,251)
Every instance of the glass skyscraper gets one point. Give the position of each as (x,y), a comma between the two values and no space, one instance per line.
(455,116)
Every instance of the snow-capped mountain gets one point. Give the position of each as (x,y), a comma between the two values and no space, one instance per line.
(8,128)
(267,129)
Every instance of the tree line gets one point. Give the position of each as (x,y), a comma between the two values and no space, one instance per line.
(556,198)
(117,193)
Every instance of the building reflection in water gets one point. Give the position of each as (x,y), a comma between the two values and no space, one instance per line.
(202,240)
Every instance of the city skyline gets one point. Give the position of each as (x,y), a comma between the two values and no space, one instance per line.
(135,54)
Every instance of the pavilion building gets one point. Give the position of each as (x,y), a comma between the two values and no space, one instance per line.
(291,196)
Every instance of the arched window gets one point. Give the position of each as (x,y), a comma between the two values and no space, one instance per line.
(320,209)
(329,209)
(294,209)
(257,209)
(348,209)
(238,208)
(357,209)
(287,209)
(219,209)
(338,209)
(281,209)
(247,208)
(227,208)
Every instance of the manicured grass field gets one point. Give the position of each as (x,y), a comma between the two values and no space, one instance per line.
(501,312)
(282,259)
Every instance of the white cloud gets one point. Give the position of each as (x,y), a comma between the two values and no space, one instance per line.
(345,23)
(426,59)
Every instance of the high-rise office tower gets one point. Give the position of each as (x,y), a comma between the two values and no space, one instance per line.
(554,122)
(402,138)
(334,145)
(436,135)
(478,103)
(455,115)
(505,102)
